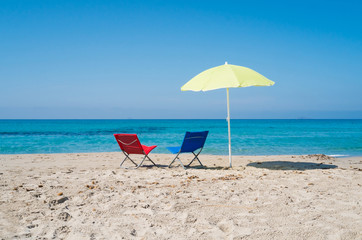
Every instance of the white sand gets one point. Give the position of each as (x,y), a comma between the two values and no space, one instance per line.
(88,196)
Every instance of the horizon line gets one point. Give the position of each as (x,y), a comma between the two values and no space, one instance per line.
(1,119)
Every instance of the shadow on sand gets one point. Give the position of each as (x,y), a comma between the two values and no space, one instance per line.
(287,165)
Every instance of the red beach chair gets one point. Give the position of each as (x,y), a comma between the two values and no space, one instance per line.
(130,144)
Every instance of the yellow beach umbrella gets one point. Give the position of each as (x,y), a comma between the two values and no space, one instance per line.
(226,76)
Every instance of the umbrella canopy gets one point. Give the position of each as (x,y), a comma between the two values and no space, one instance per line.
(226,76)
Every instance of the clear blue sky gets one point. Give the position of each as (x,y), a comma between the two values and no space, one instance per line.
(128,59)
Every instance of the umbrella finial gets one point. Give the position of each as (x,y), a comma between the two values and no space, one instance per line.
(226,63)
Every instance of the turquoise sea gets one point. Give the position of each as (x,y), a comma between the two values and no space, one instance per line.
(249,137)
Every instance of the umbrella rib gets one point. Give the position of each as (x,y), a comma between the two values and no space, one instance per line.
(235,78)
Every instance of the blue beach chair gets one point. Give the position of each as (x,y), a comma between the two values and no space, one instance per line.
(192,142)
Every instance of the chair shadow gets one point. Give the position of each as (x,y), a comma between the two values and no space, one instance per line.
(189,167)
(153,166)
(208,167)
(161,165)
(287,165)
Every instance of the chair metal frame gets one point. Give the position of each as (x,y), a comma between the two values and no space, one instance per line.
(137,166)
(196,157)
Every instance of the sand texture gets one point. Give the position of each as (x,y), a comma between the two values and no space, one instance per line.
(88,196)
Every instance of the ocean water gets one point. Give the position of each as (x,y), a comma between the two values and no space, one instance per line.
(249,137)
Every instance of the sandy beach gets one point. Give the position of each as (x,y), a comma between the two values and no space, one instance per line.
(88,196)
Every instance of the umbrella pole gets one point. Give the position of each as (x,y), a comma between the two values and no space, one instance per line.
(228,119)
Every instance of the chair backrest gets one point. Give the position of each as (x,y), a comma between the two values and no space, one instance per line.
(129,143)
(193,141)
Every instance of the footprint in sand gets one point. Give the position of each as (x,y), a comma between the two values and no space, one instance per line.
(64,216)
(61,232)
(226,226)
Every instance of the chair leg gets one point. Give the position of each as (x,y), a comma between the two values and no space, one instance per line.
(127,156)
(173,160)
(196,157)
(141,162)
(148,158)
(151,160)
(137,166)
(178,160)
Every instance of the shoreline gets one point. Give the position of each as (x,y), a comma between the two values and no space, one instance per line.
(206,154)
(87,195)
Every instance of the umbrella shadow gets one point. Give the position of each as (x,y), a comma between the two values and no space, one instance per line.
(288,165)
